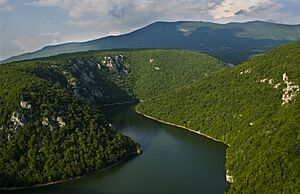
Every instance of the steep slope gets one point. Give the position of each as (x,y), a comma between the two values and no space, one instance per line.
(126,75)
(51,124)
(46,134)
(232,42)
(254,108)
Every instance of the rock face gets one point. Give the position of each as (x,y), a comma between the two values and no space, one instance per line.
(17,120)
(61,123)
(290,91)
(229,179)
(45,122)
(25,104)
(246,71)
(139,151)
(114,63)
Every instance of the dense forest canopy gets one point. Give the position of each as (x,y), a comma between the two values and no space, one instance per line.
(254,108)
(51,125)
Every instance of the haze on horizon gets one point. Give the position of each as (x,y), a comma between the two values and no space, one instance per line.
(28,25)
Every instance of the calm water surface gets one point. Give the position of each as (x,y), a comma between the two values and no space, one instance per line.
(174,161)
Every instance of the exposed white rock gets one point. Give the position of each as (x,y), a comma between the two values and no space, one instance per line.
(245,71)
(291,90)
(99,66)
(25,104)
(45,121)
(114,63)
(265,80)
(157,68)
(277,85)
(229,179)
(183,30)
(139,151)
(271,81)
(61,123)
(8,137)
(151,60)
(251,124)
(72,81)
(17,119)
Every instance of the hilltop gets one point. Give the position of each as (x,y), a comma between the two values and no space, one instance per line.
(232,42)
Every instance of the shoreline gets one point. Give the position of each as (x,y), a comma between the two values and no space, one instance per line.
(228,178)
(70,179)
(119,103)
(180,126)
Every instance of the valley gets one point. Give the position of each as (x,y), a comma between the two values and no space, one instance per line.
(252,107)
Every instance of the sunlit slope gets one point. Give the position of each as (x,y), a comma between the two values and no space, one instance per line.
(253,107)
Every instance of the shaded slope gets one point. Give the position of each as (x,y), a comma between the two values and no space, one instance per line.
(47,135)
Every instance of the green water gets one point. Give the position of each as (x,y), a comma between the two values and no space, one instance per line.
(174,161)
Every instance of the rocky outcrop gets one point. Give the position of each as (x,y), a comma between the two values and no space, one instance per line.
(115,63)
(245,71)
(45,122)
(290,91)
(18,120)
(139,151)
(270,82)
(25,105)
(229,179)
(60,122)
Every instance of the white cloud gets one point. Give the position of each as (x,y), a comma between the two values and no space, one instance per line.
(29,43)
(90,19)
(4,6)
(230,8)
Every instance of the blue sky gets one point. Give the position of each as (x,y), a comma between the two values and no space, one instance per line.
(28,25)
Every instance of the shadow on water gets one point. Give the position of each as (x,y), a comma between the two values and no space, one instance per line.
(131,124)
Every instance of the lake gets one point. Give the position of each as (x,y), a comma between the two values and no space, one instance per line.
(174,161)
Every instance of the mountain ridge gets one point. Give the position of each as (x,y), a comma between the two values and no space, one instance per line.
(200,38)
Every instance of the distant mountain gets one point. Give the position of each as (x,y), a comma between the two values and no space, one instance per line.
(232,42)
(254,108)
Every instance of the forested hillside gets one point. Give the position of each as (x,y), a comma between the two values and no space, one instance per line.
(48,135)
(255,109)
(51,124)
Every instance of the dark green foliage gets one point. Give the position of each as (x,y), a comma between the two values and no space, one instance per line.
(39,153)
(72,88)
(247,114)
(232,42)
